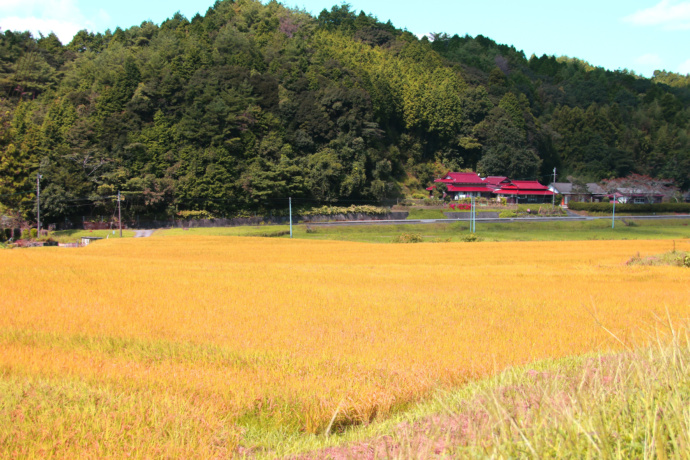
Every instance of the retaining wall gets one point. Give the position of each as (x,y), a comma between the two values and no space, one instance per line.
(467,215)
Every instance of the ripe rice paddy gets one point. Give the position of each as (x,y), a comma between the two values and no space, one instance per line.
(199,346)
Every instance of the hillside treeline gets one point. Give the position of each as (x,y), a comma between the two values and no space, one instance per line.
(236,110)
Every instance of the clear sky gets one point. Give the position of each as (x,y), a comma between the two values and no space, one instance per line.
(640,35)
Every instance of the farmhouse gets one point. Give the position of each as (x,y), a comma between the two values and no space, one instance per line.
(463,185)
(589,192)
(470,184)
(524,191)
(638,195)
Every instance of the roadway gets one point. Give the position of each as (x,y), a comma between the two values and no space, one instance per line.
(495,220)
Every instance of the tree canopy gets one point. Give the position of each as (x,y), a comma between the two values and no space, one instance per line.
(235,110)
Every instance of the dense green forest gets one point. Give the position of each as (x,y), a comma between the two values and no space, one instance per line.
(236,110)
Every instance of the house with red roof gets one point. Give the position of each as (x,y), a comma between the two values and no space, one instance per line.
(463,185)
(524,191)
(467,185)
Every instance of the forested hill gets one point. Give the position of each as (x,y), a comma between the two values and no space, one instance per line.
(236,110)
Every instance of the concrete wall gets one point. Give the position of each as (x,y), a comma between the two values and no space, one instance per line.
(467,215)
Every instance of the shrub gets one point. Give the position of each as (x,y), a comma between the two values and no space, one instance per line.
(2,235)
(195,215)
(8,233)
(25,235)
(408,238)
(550,211)
(335,210)
(434,202)
(271,234)
(470,238)
(507,214)
(630,208)
(33,233)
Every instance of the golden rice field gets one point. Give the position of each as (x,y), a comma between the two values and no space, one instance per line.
(204,346)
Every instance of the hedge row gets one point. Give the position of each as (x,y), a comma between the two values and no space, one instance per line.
(631,208)
(334,210)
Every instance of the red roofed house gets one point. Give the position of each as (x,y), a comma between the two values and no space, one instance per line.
(524,191)
(466,185)
(495,182)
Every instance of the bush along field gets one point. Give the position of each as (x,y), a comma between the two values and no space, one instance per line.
(207,346)
(607,208)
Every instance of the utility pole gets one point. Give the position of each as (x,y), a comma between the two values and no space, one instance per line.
(613,216)
(38,204)
(290,206)
(119,213)
(553,197)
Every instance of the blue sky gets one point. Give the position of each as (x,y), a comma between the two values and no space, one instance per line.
(641,35)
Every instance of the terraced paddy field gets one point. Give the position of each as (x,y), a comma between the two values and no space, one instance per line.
(208,346)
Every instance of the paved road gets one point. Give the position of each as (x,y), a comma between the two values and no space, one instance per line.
(493,220)
(143,233)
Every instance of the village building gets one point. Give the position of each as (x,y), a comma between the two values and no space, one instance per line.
(524,191)
(588,193)
(639,195)
(463,185)
(592,192)
(468,185)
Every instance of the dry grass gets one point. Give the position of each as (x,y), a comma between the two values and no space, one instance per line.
(200,346)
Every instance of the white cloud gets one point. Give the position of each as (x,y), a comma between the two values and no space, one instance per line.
(65,30)
(669,14)
(684,68)
(652,60)
(60,16)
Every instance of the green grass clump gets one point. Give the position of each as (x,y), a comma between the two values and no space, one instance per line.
(408,238)
(416,213)
(632,404)
(673,258)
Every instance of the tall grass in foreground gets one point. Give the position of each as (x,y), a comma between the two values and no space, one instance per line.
(632,404)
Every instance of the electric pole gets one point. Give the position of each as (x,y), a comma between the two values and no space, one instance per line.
(553,198)
(38,204)
(119,213)
(290,205)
